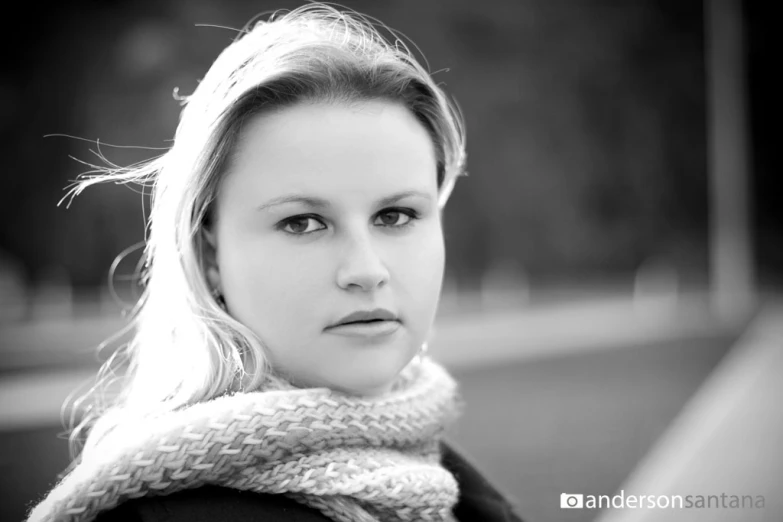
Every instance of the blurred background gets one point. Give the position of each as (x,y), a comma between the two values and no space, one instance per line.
(613,258)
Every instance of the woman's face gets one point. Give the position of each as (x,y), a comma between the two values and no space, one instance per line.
(327,210)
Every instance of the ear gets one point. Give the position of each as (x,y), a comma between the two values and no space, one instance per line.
(209,236)
(208,246)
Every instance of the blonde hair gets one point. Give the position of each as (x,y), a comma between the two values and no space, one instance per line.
(186,348)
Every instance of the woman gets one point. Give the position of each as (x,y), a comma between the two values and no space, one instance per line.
(293,269)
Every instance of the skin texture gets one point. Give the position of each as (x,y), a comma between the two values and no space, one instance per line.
(289,280)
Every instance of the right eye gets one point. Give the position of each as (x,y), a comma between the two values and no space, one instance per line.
(299,225)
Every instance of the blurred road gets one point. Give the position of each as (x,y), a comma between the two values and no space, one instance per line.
(725,445)
(579,422)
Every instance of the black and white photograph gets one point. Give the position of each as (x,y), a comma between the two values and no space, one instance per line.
(391,261)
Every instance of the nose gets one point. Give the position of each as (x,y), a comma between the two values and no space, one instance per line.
(361,265)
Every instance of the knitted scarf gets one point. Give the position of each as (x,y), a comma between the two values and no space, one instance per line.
(352,458)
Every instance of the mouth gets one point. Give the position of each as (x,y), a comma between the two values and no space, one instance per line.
(366,328)
(365,321)
(377,315)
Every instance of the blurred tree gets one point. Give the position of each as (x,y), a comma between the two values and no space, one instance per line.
(585,127)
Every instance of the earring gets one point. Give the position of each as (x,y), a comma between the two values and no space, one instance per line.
(422,352)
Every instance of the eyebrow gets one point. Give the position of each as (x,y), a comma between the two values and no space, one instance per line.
(321,203)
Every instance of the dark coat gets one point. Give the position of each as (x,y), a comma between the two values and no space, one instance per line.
(478,501)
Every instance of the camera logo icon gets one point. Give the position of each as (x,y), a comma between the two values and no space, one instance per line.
(571,501)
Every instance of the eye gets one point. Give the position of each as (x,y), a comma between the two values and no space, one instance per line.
(300,225)
(397,217)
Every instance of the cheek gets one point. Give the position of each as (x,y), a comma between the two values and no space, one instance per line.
(264,283)
(424,263)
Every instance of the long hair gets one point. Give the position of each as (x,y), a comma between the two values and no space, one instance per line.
(185,347)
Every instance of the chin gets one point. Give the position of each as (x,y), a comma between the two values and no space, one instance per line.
(368,383)
(366,372)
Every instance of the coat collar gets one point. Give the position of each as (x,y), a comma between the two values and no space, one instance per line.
(478,499)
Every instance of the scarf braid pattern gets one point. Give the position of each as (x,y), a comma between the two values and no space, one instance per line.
(354,459)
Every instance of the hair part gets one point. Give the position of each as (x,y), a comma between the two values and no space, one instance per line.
(186,348)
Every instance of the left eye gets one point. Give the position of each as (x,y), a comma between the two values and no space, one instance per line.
(392,218)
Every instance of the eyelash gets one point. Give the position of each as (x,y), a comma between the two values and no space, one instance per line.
(412,215)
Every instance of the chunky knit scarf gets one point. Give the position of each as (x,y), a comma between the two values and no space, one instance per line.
(353,459)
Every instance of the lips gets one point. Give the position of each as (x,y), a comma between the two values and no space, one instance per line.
(367,317)
(367,331)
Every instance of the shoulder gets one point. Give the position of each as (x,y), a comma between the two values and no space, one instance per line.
(212,504)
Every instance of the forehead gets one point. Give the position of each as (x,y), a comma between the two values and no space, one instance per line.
(333,148)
